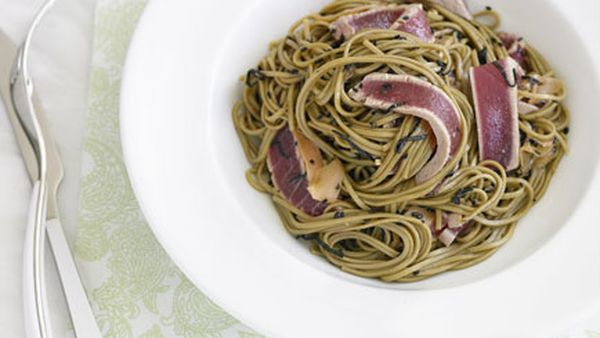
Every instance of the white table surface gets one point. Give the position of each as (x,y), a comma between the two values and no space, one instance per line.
(60,64)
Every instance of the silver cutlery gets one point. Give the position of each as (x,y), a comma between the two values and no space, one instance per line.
(46,172)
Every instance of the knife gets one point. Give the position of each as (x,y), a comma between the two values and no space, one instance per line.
(84,323)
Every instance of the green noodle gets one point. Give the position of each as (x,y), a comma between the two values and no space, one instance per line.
(303,83)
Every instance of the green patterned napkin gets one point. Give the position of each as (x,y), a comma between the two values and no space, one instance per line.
(135,288)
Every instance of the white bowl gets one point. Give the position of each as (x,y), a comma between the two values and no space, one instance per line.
(187,168)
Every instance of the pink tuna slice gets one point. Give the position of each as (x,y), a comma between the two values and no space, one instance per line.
(412,96)
(495,99)
(450,229)
(297,171)
(455,6)
(408,18)
(515,47)
(288,175)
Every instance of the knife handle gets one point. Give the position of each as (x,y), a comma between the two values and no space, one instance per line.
(84,322)
(37,321)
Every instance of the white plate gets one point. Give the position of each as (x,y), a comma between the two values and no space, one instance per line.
(186,165)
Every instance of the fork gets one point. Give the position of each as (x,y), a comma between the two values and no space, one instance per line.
(43,215)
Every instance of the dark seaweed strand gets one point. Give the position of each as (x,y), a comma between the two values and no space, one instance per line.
(444,69)
(259,99)
(450,174)
(505,76)
(522,138)
(297,178)
(401,144)
(308,237)
(280,150)
(489,188)
(405,140)
(254,76)
(394,106)
(460,194)
(323,245)
(361,152)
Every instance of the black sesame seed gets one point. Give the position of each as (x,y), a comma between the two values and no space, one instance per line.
(336,44)
(385,88)
(482,56)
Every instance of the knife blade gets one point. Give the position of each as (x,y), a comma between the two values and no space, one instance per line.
(83,319)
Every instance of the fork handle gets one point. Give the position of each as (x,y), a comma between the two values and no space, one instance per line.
(37,321)
(84,322)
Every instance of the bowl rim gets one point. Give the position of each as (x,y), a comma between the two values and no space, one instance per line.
(131,142)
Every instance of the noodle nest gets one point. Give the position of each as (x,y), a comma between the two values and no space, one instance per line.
(372,229)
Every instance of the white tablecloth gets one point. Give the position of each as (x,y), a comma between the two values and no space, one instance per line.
(60,64)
